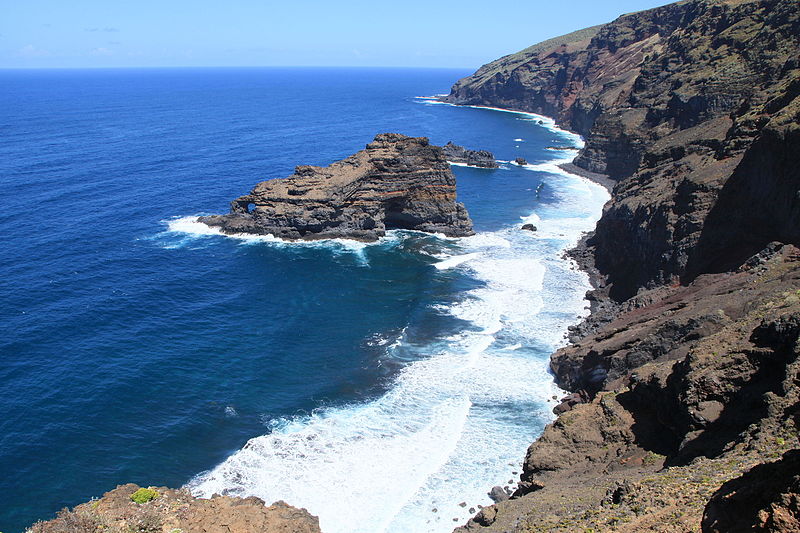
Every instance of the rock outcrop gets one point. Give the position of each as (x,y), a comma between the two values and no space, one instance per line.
(473,158)
(177,511)
(397,182)
(693,420)
(686,378)
(693,109)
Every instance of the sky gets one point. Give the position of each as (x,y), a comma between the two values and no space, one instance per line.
(195,33)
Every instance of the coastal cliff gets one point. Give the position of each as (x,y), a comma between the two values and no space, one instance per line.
(685,378)
(689,107)
(396,182)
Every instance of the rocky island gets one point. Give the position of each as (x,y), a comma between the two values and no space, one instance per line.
(473,158)
(396,182)
(685,381)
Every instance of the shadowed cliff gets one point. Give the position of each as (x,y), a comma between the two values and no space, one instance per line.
(685,380)
(693,109)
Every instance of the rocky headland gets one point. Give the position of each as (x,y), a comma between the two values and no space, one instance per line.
(396,182)
(685,380)
(473,158)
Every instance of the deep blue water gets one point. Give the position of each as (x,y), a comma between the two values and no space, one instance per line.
(132,351)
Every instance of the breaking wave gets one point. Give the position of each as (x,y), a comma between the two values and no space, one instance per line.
(455,420)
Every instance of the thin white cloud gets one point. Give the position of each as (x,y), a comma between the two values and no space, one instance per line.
(30,51)
(102,51)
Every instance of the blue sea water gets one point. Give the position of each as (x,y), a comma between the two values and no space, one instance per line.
(139,346)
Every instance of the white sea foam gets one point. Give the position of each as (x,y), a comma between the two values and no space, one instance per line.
(192,226)
(541,120)
(457,164)
(454,261)
(455,421)
(452,424)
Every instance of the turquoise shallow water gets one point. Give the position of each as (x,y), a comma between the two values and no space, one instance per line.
(136,346)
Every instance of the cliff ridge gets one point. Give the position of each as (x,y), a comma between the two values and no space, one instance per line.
(684,412)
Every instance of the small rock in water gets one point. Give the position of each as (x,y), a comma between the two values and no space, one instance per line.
(498,494)
(462,504)
(510,481)
(455,519)
(520,161)
(434,510)
(528,227)
(471,510)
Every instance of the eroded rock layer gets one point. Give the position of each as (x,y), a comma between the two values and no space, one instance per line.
(397,182)
(685,404)
(693,109)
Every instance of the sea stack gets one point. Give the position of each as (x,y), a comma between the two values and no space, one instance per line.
(473,158)
(396,182)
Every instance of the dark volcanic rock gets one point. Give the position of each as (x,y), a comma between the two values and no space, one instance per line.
(528,227)
(687,375)
(474,158)
(693,108)
(520,161)
(498,494)
(397,182)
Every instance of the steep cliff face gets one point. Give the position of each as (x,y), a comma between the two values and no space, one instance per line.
(693,418)
(397,182)
(686,405)
(686,106)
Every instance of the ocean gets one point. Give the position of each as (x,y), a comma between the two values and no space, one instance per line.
(396,380)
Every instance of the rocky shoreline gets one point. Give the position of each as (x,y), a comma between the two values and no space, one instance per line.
(685,378)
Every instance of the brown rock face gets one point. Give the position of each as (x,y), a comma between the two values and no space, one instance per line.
(694,418)
(767,498)
(693,108)
(177,510)
(397,182)
(685,412)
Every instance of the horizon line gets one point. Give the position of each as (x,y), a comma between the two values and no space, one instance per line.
(142,67)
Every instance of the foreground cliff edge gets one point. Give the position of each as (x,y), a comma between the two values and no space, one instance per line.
(159,509)
(686,377)
(396,182)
